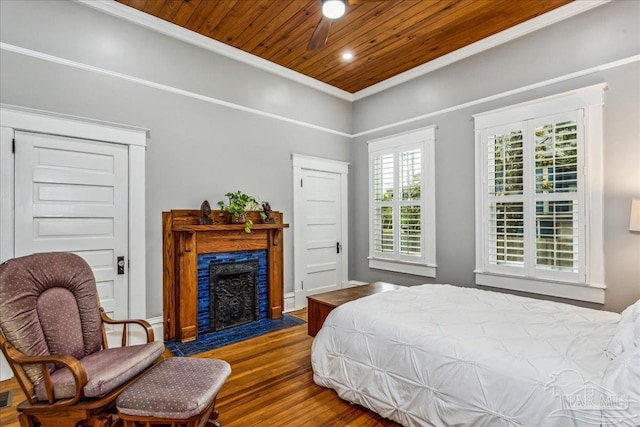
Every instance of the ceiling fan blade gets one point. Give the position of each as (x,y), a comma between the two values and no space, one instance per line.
(320,35)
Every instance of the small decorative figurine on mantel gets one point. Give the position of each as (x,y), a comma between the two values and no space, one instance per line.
(205,211)
(266,210)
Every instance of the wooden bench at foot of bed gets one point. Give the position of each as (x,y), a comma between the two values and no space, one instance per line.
(320,305)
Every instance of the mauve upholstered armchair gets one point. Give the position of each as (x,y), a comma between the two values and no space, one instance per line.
(52,333)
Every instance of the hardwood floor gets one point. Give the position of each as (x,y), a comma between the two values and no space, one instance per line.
(271,385)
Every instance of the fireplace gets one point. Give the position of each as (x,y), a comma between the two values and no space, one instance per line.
(188,249)
(233,287)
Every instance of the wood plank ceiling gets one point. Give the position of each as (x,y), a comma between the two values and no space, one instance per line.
(385,37)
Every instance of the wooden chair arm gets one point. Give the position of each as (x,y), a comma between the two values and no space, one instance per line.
(140,322)
(77,370)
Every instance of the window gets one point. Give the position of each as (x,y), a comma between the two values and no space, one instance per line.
(538,204)
(402,203)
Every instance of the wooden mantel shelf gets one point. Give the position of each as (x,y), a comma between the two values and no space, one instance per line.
(226,227)
(184,239)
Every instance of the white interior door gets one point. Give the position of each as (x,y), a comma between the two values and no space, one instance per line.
(320,231)
(71,195)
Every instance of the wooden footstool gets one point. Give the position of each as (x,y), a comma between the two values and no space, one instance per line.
(180,392)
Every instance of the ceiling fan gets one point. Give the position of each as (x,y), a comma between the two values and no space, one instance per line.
(331,9)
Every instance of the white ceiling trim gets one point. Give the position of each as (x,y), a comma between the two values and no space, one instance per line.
(171,89)
(193,95)
(135,16)
(149,21)
(548,82)
(556,15)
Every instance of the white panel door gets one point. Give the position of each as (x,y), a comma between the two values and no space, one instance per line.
(321,231)
(71,195)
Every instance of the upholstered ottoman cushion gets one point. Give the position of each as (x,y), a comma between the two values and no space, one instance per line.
(177,388)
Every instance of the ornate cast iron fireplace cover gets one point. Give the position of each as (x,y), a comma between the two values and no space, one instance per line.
(233,287)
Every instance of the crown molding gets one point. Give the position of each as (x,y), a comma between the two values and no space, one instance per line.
(132,15)
(163,87)
(519,90)
(73,64)
(539,22)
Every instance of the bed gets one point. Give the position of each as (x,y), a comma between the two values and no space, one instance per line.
(440,355)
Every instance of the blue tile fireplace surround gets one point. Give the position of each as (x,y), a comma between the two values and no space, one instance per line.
(204,291)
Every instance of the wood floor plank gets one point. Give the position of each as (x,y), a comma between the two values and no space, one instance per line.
(271,384)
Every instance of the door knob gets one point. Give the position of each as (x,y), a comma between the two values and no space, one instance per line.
(120,265)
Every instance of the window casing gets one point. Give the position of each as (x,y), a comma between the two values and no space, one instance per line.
(402,203)
(539,196)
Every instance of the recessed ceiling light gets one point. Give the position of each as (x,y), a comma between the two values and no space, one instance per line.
(347,56)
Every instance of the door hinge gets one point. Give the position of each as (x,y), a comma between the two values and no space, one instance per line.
(302,284)
(300,182)
(13,146)
(338,247)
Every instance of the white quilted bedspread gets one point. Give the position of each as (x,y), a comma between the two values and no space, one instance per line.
(443,355)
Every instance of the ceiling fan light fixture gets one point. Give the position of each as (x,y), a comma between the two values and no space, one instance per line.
(334,9)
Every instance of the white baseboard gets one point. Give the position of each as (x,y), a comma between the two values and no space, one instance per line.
(289,298)
(353,283)
(157,323)
(5,369)
(289,302)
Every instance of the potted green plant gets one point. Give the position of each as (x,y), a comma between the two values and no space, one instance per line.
(236,209)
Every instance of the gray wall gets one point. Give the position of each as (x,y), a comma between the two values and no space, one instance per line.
(602,35)
(197,150)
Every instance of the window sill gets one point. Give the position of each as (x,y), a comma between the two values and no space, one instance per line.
(556,289)
(403,267)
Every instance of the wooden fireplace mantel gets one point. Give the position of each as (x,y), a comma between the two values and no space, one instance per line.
(183,239)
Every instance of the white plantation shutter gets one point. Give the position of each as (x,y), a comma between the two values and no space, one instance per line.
(558,145)
(539,186)
(506,234)
(410,231)
(397,186)
(383,230)
(410,182)
(506,163)
(533,198)
(558,236)
(402,222)
(384,183)
(532,201)
(505,196)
